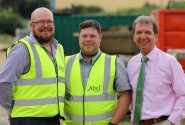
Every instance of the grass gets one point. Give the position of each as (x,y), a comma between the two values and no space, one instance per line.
(125,123)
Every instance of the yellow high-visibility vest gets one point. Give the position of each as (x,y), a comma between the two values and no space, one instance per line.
(95,104)
(40,91)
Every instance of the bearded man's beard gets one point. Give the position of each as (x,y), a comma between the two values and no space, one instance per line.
(42,39)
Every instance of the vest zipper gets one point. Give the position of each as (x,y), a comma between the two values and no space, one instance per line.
(56,71)
(83,109)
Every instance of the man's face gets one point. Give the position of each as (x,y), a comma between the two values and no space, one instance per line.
(43,31)
(144,37)
(89,41)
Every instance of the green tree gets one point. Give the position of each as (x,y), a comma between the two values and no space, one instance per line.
(176,4)
(146,9)
(24,7)
(80,9)
(10,21)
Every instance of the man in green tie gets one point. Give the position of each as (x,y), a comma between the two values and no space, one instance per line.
(157,79)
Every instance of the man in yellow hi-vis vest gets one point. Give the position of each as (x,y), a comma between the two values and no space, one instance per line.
(32,78)
(93,79)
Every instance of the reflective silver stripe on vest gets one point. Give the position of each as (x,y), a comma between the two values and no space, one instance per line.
(107,67)
(107,72)
(61,79)
(37,59)
(94,98)
(68,71)
(38,101)
(39,81)
(89,118)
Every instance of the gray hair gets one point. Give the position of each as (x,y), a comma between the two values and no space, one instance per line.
(145,20)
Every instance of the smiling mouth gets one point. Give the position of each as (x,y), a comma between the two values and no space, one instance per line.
(88,45)
(45,31)
(143,42)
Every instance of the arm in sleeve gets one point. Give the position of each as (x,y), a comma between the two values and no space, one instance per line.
(121,82)
(122,108)
(178,83)
(16,63)
(123,87)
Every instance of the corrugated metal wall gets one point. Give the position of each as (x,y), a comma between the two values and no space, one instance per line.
(66,25)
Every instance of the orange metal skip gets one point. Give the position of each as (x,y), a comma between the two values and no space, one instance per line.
(171,30)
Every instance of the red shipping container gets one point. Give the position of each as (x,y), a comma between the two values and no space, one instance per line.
(171,26)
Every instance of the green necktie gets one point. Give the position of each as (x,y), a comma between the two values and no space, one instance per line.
(139,92)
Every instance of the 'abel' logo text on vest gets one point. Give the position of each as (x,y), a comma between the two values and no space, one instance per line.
(94,88)
(61,68)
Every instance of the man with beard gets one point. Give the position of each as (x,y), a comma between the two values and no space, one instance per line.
(32,78)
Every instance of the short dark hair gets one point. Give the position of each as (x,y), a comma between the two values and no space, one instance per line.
(90,23)
(145,20)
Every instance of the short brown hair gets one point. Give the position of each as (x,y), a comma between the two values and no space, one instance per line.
(90,23)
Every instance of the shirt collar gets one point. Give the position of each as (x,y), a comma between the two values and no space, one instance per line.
(152,55)
(93,59)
